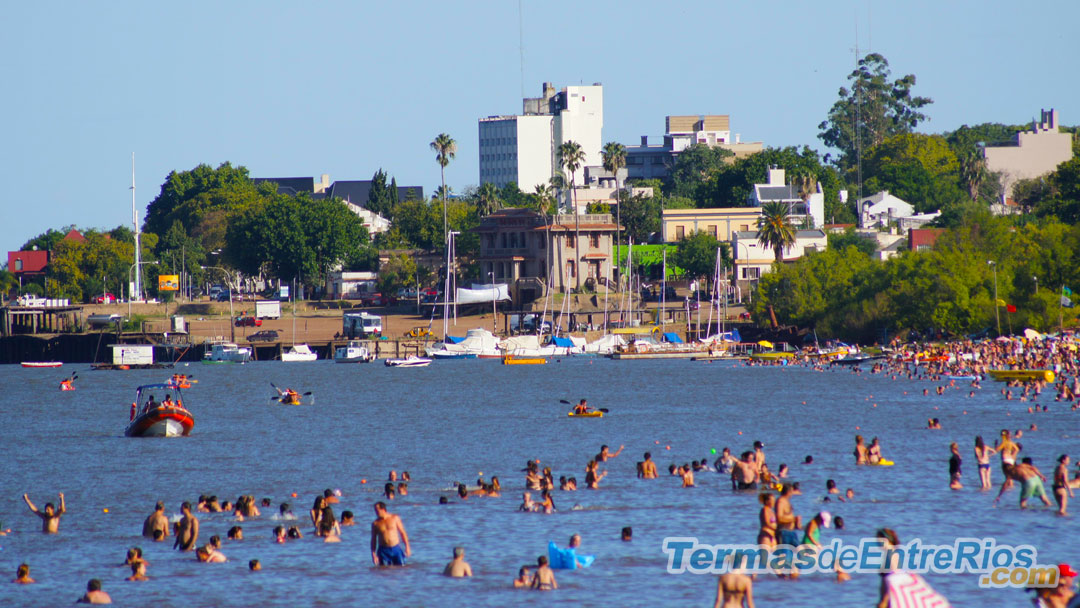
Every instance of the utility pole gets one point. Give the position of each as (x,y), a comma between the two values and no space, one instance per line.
(135,222)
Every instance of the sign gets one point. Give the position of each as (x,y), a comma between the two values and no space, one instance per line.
(168,282)
(284,294)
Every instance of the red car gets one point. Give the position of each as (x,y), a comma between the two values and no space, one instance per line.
(376,299)
(105,298)
(248,322)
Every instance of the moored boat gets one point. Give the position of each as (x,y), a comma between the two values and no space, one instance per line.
(519,360)
(353,352)
(159,419)
(298,352)
(226,352)
(35,364)
(410,361)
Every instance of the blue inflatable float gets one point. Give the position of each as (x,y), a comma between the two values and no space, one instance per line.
(567,559)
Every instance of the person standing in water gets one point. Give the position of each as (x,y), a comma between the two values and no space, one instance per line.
(388,537)
(983,453)
(50,517)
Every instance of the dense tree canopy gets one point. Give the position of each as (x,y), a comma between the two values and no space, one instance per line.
(872,110)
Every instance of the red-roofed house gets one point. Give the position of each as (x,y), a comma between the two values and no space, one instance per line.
(28,263)
(75,235)
(923,239)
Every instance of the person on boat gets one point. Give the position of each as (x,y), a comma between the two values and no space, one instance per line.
(582,407)
(187,533)
(156,521)
(291,397)
(50,517)
(168,402)
(388,537)
(68,384)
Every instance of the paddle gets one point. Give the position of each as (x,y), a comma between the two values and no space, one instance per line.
(598,409)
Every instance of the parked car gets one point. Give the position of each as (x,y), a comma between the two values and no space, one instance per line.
(376,299)
(105,298)
(407,293)
(248,321)
(265,335)
(429,295)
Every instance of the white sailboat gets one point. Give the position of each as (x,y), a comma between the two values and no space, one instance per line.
(297,352)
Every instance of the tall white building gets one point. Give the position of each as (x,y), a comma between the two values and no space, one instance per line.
(522,148)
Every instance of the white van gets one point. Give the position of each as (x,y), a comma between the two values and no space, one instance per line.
(361,325)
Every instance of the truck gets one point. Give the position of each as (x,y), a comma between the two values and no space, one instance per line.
(359,324)
(267,309)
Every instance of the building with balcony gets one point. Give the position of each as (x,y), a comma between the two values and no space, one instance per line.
(806,207)
(530,251)
(721,223)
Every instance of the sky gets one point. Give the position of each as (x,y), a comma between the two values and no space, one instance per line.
(346,88)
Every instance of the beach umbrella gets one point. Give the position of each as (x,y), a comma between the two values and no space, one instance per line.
(1031,334)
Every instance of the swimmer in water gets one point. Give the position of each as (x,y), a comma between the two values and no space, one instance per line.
(458,567)
(138,572)
(389,541)
(523,579)
(648,468)
(187,533)
(50,517)
(22,575)
(94,594)
(544,578)
(156,521)
(735,589)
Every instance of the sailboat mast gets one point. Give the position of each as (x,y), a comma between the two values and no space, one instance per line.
(135,223)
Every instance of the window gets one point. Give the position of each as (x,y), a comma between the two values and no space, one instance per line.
(594,241)
(504,240)
(744,227)
(680,232)
(751,272)
(18,265)
(712,230)
(570,269)
(571,243)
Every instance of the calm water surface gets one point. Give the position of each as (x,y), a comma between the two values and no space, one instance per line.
(455,419)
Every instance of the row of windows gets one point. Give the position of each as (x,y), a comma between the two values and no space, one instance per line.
(498,141)
(496,157)
(680,231)
(520,240)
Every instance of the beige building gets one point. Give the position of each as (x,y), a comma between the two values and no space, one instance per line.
(751,258)
(721,222)
(1032,153)
(528,251)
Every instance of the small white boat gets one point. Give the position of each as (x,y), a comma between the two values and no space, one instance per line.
(353,352)
(411,361)
(298,352)
(227,352)
(34,364)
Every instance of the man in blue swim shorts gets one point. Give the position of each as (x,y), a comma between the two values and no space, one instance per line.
(389,542)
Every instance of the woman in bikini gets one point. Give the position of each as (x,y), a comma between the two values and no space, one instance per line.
(983,453)
(1062,488)
(767,517)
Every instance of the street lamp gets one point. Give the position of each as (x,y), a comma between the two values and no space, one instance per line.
(1036,279)
(997,312)
(228,283)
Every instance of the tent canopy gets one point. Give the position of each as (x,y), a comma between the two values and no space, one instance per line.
(765,344)
(672,337)
(562,342)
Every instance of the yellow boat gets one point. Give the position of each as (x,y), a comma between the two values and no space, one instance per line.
(1025,375)
(512,360)
(586,415)
(771,356)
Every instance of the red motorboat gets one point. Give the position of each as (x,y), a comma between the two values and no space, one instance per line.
(165,418)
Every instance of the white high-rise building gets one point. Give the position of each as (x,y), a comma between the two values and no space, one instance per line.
(522,148)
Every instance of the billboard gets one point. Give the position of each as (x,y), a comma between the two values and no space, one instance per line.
(168,282)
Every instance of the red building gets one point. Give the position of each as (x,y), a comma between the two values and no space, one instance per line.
(923,239)
(28,263)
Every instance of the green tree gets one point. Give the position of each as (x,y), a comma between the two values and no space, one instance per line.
(381,197)
(850,238)
(81,269)
(571,156)
(696,255)
(1063,188)
(487,199)
(445,149)
(774,228)
(874,109)
(204,200)
(641,217)
(47,240)
(614,160)
(694,171)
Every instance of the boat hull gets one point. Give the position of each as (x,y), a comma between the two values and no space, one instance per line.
(586,415)
(1026,375)
(161,422)
(410,362)
(511,360)
(37,364)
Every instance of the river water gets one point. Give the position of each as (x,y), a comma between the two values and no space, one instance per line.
(456,419)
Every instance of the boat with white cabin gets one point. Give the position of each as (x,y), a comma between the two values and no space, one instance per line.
(299,353)
(410,361)
(226,352)
(353,352)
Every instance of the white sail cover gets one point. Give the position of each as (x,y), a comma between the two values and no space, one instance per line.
(483,293)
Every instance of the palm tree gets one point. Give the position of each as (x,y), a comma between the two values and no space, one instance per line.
(544,199)
(487,199)
(972,172)
(571,156)
(774,228)
(614,155)
(445,148)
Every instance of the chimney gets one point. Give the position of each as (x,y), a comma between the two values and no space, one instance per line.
(776,176)
(644,140)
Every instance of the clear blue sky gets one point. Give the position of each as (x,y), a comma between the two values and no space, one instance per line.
(299,88)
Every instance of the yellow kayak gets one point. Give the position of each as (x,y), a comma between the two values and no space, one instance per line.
(586,415)
(882,463)
(1026,375)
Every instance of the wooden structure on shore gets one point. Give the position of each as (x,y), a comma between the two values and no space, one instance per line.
(38,319)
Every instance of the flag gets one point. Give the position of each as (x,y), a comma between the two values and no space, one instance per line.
(1001,302)
(1010,308)
(1066,290)
(1066,302)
